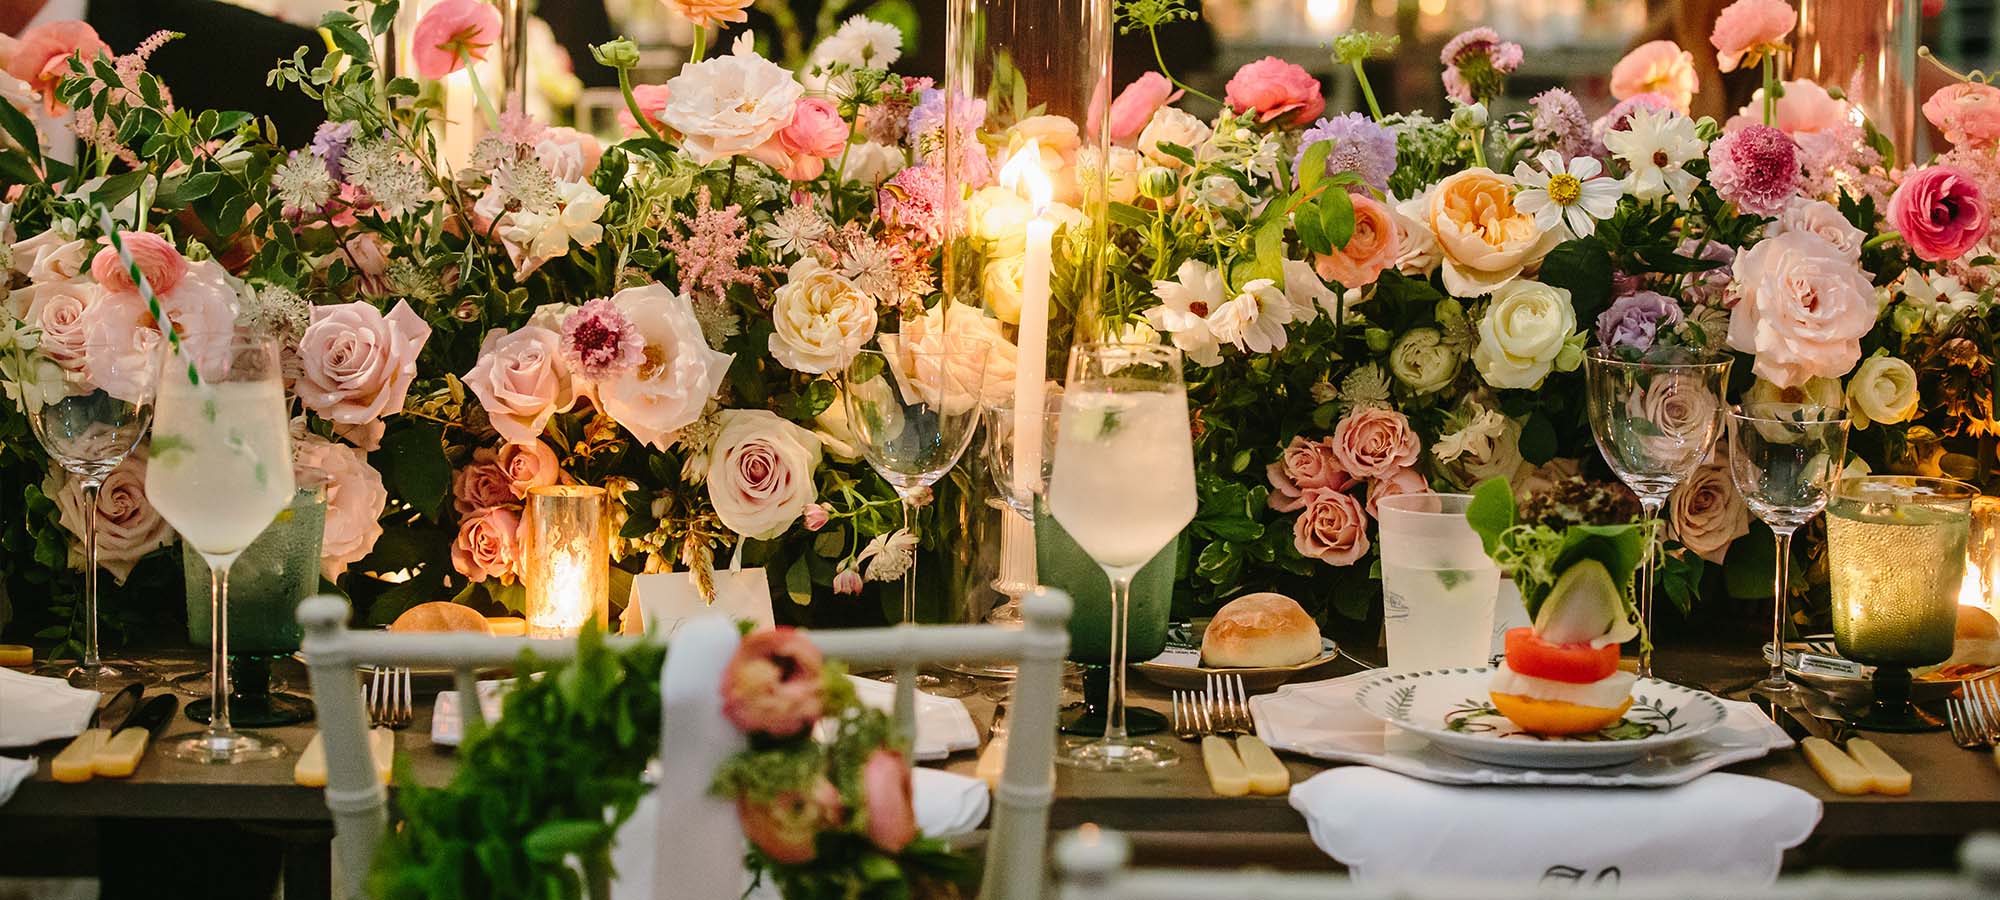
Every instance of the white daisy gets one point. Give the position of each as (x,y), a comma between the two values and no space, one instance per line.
(1255,320)
(1657,144)
(1570,193)
(1185,304)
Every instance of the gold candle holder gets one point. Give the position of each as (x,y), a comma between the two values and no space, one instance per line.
(568,575)
(1982,555)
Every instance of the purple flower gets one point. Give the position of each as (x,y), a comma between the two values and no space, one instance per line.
(1635,320)
(330,144)
(1707,288)
(1756,167)
(1477,63)
(1559,123)
(926,134)
(600,342)
(1359,146)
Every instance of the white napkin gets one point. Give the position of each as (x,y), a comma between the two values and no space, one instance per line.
(12,773)
(34,709)
(695,850)
(1391,828)
(944,725)
(947,804)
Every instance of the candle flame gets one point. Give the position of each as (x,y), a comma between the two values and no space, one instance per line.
(1024,170)
(1972,591)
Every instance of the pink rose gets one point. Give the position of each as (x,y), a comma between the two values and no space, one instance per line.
(356,363)
(482,485)
(1706,512)
(1967,113)
(1940,212)
(1401,481)
(1374,247)
(128,527)
(1751,28)
(355,499)
(1821,218)
(885,793)
(651,98)
(122,339)
(1657,67)
(1277,91)
(521,381)
(772,685)
(1333,528)
(41,57)
(50,256)
(760,472)
(787,829)
(1803,308)
(1374,442)
(529,466)
(488,545)
(58,310)
(452,32)
(1137,103)
(569,154)
(1304,466)
(162,265)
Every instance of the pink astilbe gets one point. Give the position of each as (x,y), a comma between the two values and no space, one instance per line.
(710,248)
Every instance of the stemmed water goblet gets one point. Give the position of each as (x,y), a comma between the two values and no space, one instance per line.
(1654,420)
(1784,459)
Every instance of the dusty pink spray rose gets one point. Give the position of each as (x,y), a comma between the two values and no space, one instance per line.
(772,685)
(1333,528)
(885,793)
(356,364)
(1940,212)
(1375,442)
(528,466)
(451,33)
(1304,466)
(787,828)
(355,498)
(1401,481)
(1277,91)
(488,545)
(482,484)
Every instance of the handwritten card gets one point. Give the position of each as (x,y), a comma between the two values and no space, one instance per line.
(665,601)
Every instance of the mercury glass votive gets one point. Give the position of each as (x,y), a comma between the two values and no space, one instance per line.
(568,573)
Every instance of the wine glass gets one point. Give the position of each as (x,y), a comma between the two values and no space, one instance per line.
(97,402)
(1895,561)
(914,405)
(1123,487)
(220,471)
(1015,491)
(1784,458)
(1654,420)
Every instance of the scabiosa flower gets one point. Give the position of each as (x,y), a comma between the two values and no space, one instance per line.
(303,185)
(914,202)
(1636,320)
(1756,167)
(329,143)
(1359,146)
(1559,123)
(600,342)
(1477,64)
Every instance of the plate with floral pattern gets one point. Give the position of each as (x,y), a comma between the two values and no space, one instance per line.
(1452,709)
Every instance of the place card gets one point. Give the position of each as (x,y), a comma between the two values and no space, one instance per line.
(667,600)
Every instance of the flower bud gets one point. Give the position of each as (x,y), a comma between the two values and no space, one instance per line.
(1158,183)
(1469,117)
(618,54)
(1378,339)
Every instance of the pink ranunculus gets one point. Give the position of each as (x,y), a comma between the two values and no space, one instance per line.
(1332,528)
(885,796)
(1967,113)
(1304,466)
(488,545)
(1804,108)
(128,527)
(1802,309)
(1137,103)
(1401,481)
(521,381)
(41,57)
(1374,442)
(1749,27)
(815,134)
(1658,67)
(452,32)
(787,828)
(772,685)
(355,499)
(482,484)
(1939,211)
(1371,249)
(163,266)
(356,364)
(651,98)
(528,466)
(1278,91)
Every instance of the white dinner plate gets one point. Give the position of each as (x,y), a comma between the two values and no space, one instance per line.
(1453,710)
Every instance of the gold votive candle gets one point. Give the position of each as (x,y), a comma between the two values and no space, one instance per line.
(1982,555)
(568,571)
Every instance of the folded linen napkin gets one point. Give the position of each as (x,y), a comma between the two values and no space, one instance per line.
(34,709)
(944,724)
(1387,827)
(12,773)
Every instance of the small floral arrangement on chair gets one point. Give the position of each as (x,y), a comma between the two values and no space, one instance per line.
(825,818)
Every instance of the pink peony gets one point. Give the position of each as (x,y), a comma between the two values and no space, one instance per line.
(128,527)
(1755,167)
(161,264)
(452,32)
(355,499)
(772,685)
(1374,442)
(521,381)
(356,364)
(1401,481)
(1372,248)
(528,466)
(885,795)
(1276,90)
(787,828)
(1333,528)
(489,545)
(1137,103)
(482,485)
(1657,67)
(41,57)
(1304,466)
(651,98)
(1940,212)
(1751,28)
(1967,113)
(1802,309)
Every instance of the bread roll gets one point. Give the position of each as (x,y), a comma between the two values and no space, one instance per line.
(441,615)
(1978,641)
(1260,630)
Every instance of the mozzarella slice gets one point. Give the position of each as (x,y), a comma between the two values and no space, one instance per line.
(1607,693)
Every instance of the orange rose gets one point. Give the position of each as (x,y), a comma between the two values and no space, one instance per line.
(1483,241)
(1372,248)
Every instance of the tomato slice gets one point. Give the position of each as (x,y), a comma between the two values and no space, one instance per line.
(1570,663)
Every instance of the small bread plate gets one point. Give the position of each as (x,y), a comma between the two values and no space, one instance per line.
(1451,708)
(1817,661)
(1179,665)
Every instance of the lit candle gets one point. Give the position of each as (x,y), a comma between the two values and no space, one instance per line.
(1024,171)
(568,571)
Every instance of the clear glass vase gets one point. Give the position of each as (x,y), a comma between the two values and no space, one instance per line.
(1867,48)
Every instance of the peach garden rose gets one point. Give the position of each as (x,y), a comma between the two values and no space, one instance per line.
(1333,528)
(1483,241)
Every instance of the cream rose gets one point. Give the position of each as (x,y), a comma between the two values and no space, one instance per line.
(355,498)
(489,545)
(1522,333)
(1172,126)
(819,318)
(1706,512)
(1483,241)
(1000,282)
(680,373)
(1423,362)
(728,105)
(760,472)
(1802,309)
(1883,389)
(128,527)
(1417,245)
(968,380)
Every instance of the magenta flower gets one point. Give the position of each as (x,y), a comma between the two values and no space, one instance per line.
(600,342)
(1940,212)
(1477,63)
(1755,167)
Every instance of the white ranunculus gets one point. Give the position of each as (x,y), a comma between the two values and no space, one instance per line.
(819,318)
(1883,389)
(1172,126)
(680,372)
(760,472)
(1522,333)
(728,105)
(1423,362)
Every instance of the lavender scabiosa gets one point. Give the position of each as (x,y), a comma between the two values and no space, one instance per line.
(600,342)
(329,143)
(1559,123)
(1477,63)
(1636,320)
(1755,167)
(1359,145)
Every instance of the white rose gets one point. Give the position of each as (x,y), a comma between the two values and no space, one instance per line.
(835,431)
(872,163)
(1423,362)
(760,472)
(1171,126)
(820,319)
(1000,281)
(968,380)
(1416,245)
(1522,333)
(1883,389)
(728,105)
(680,373)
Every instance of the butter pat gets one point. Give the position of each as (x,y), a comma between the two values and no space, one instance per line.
(992,761)
(1226,776)
(311,768)
(76,762)
(507,626)
(1884,773)
(119,757)
(1267,774)
(1836,768)
(16,655)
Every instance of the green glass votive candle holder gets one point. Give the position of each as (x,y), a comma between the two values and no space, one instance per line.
(277,571)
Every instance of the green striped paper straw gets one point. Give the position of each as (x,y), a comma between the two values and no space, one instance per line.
(145,290)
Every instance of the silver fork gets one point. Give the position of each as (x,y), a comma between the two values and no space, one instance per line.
(1190,720)
(389,698)
(1230,704)
(1965,730)
(1981,700)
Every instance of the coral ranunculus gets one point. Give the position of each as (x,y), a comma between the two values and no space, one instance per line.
(1372,248)
(1748,29)
(452,33)
(41,57)
(1137,103)
(709,12)
(1940,212)
(1967,113)
(1277,91)
(1657,67)
(162,266)
(772,685)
